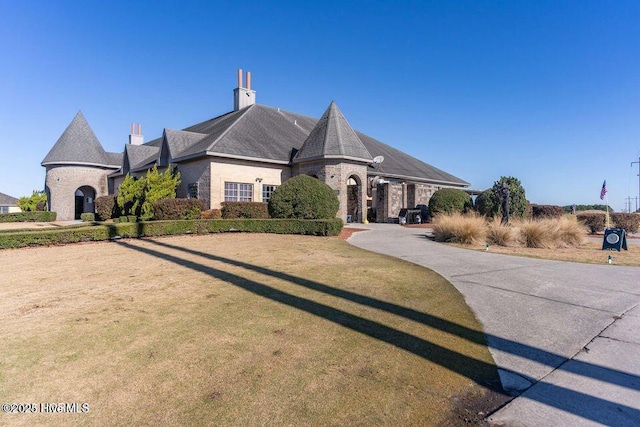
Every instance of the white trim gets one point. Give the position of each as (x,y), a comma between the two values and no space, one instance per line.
(332,157)
(417,179)
(81,164)
(230,156)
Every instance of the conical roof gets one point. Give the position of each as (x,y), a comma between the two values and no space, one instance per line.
(78,145)
(333,138)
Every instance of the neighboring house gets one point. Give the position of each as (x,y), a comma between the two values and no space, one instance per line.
(244,155)
(8,204)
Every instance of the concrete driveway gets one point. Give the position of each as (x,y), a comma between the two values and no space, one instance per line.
(565,336)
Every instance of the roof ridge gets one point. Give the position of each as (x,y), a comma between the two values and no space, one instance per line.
(183,131)
(333,107)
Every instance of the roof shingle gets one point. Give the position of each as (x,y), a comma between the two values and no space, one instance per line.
(333,137)
(79,145)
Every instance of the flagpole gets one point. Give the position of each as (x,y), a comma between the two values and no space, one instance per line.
(607,202)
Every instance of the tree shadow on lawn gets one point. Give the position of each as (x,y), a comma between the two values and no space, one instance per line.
(581,404)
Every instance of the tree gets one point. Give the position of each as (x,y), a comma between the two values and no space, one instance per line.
(130,193)
(449,200)
(136,196)
(517,197)
(158,186)
(303,197)
(37,201)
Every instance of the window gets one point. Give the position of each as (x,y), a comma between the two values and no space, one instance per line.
(267,191)
(4,209)
(238,192)
(193,190)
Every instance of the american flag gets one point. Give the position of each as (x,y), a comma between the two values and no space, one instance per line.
(604,190)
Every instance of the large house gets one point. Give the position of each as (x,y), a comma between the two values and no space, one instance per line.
(244,155)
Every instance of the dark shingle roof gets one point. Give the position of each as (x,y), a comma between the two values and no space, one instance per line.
(6,200)
(179,141)
(255,132)
(333,137)
(79,145)
(138,156)
(268,134)
(401,165)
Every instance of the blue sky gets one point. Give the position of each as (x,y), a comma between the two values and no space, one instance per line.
(546,91)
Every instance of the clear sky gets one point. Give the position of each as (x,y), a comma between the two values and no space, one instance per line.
(546,91)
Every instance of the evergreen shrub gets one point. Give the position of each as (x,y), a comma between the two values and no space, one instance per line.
(449,201)
(29,216)
(304,197)
(58,236)
(87,217)
(486,203)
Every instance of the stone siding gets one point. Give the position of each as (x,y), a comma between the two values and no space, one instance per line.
(335,174)
(62,181)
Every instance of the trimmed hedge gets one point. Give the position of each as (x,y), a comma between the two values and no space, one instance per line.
(629,221)
(36,216)
(234,210)
(593,221)
(177,209)
(59,236)
(87,217)
(211,214)
(547,211)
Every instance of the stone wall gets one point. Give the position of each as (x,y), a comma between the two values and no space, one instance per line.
(336,173)
(62,181)
(419,194)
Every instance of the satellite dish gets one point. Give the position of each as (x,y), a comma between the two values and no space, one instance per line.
(378,159)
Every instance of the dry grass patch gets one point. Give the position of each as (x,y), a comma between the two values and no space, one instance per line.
(235,329)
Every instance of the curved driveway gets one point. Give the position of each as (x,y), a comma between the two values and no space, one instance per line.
(565,336)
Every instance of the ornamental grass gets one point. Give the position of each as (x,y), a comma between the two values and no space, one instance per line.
(456,228)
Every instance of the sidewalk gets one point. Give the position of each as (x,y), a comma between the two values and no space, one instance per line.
(564,335)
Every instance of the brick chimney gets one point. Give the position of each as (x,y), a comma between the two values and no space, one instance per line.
(243,96)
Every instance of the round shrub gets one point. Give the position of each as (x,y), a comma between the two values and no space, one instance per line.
(303,197)
(486,203)
(449,201)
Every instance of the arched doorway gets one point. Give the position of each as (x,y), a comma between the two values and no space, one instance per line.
(85,200)
(354,199)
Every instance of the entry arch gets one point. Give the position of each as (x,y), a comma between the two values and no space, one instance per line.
(85,197)
(355,202)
